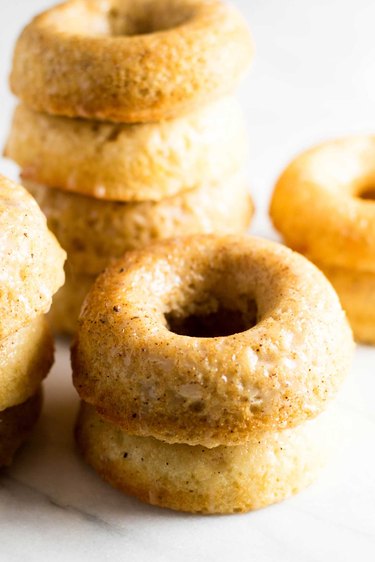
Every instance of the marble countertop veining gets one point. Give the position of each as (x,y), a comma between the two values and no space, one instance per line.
(313,78)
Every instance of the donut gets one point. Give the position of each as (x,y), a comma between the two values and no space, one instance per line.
(25,359)
(67,302)
(356,290)
(95,232)
(268,468)
(31,261)
(205,339)
(324,207)
(322,203)
(120,162)
(127,61)
(16,424)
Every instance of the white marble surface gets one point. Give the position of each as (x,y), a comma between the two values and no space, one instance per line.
(313,78)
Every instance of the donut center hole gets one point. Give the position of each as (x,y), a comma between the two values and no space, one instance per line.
(142,18)
(212,324)
(368,194)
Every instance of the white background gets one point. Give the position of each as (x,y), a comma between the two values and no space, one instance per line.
(313,78)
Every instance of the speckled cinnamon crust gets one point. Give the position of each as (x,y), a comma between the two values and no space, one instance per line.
(130,61)
(95,232)
(25,359)
(122,162)
(356,290)
(31,261)
(317,204)
(266,469)
(16,425)
(210,390)
(67,302)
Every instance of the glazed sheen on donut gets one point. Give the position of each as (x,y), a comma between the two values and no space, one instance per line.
(130,61)
(31,261)
(204,339)
(120,162)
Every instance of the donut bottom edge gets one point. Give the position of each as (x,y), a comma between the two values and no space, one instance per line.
(269,468)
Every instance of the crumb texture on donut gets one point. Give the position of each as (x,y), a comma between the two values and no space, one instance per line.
(266,469)
(26,356)
(130,61)
(122,162)
(94,232)
(31,261)
(289,351)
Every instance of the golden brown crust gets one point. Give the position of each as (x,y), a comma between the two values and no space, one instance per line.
(16,424)
(122,162)
(356,290)
(94,233)
(130,61)
(317,204)
(25,359)
(210,390)
(266,469)
(31,261)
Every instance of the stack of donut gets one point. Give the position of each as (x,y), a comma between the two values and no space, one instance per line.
(207,367)
(324,206)
(31,271)
(128,131)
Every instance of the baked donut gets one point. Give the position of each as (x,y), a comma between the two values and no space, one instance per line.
(31,261)
(127,61)
(204,339)
(266,469)
(120,162)
(324,207)
(26,356)
(95,232)
(16,424)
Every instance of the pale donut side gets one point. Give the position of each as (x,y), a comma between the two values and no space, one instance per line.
(26,357)
(94,232)
(268,468)
(120,162)
(31,261)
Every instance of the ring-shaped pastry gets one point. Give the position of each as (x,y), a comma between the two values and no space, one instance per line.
(128,61)
(323,203)
(203,340)
(31,261)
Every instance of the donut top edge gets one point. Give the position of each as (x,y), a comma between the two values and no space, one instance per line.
(136,78)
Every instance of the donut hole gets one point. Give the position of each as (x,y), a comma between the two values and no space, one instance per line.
(141,18)
(368,193)
(221,322)
(118,18)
